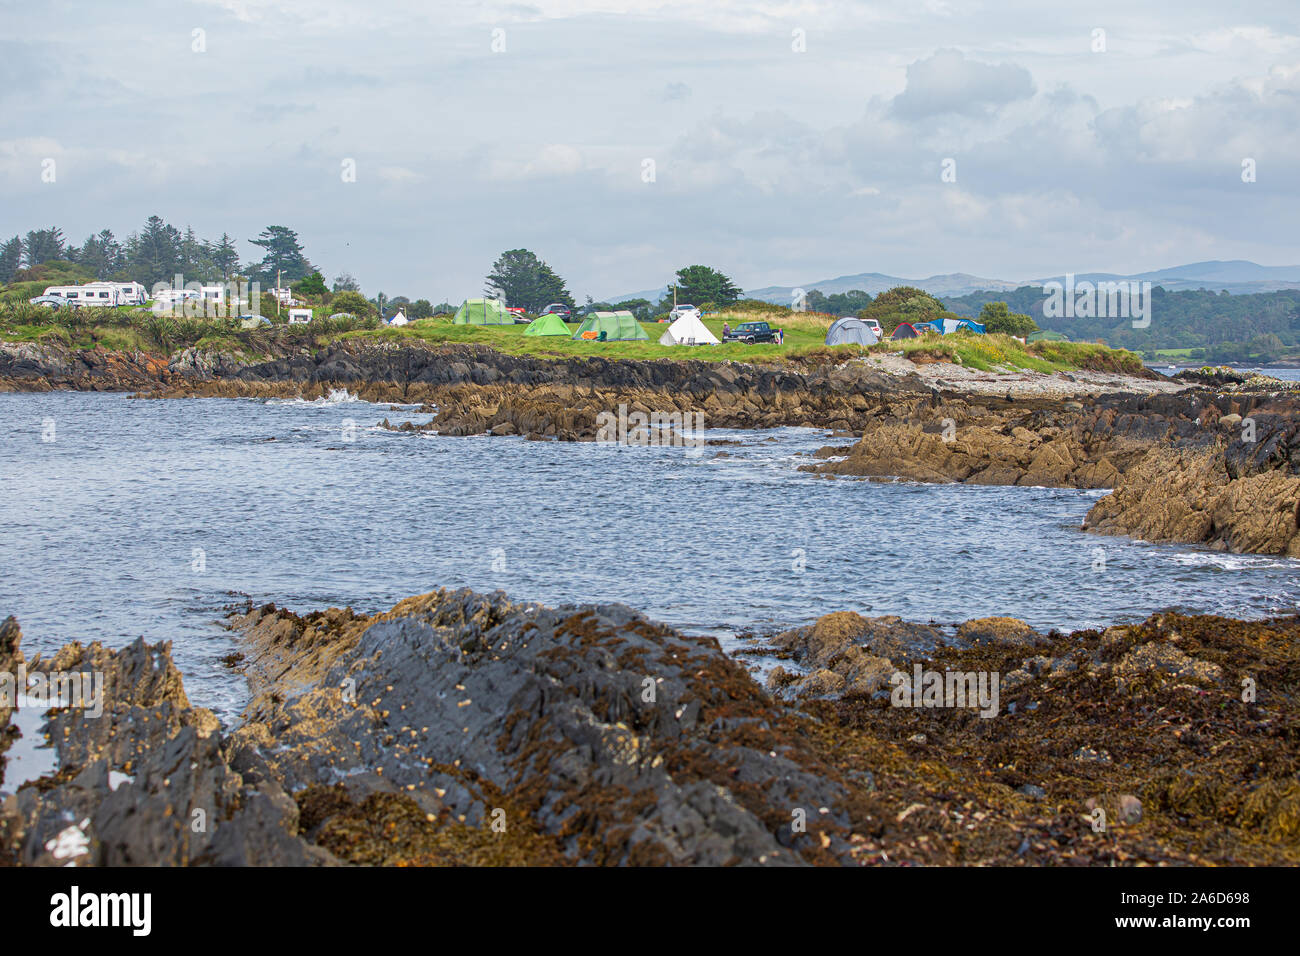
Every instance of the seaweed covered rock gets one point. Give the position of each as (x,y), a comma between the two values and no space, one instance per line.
(844,652)
(590,730)
(145,781)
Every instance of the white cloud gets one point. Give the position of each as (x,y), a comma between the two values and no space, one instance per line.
(948,82)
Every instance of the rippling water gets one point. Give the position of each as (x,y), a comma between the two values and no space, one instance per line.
(1286,374)
(151,517)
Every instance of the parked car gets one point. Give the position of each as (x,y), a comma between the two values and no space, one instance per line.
(53,301)
(558,308)
(751,332)
(679,310)
(874,326)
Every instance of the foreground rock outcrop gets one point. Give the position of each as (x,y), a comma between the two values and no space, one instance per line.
(1243,494)
(467,729)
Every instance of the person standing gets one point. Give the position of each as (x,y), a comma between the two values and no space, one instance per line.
(726,329)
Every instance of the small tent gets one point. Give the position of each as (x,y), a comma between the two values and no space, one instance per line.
(398,319)
(617,327)
(549,324)
(1046,335)
(688,330)
(482,312)
(850,330)
(906,330)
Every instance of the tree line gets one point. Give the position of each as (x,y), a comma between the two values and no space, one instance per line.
(521,279)
(1198,318)
(157,252)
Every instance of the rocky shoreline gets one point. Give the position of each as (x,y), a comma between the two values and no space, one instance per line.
(469,729)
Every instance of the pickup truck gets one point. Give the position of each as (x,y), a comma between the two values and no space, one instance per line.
(751,332)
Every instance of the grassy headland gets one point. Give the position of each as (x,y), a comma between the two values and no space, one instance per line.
(141,330)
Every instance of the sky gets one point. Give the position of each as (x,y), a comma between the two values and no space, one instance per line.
(620,140)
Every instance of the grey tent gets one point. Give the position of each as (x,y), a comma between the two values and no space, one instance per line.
(850,331)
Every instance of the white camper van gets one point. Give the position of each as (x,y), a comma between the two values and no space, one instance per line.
(299,316)
(97,294)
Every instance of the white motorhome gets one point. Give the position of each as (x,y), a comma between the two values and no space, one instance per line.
(96,294)
(299,316)
(214,295)
(130,293)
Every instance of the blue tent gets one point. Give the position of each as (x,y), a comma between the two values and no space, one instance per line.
(949,326)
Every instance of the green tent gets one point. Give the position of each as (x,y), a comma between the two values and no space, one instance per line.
(1044,335)
(482,312)
(617,326)
(549,324)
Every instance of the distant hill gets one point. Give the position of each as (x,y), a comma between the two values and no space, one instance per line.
(957,283)
(1237,276)
(650,295)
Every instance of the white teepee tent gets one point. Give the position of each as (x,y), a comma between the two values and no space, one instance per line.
(398,319)
(688,330)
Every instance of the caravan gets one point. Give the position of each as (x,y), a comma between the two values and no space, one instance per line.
(97,294)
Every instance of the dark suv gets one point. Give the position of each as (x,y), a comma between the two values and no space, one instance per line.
(751,332)
(558,308)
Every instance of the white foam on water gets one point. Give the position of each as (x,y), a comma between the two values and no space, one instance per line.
(1232,562)
(337,396)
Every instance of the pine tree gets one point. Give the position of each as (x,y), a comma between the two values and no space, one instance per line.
(11,259)
(283,255)
(153,256)
(43,245)
(525,281)
(225,257)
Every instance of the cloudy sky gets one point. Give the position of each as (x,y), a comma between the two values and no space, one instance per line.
(782,142)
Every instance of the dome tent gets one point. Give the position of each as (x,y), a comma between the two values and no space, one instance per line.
(549,324)
(617,326)
(906,330)
(850,330)
(482,312)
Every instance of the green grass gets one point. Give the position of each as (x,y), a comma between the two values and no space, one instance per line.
(801,337)
(804,339)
